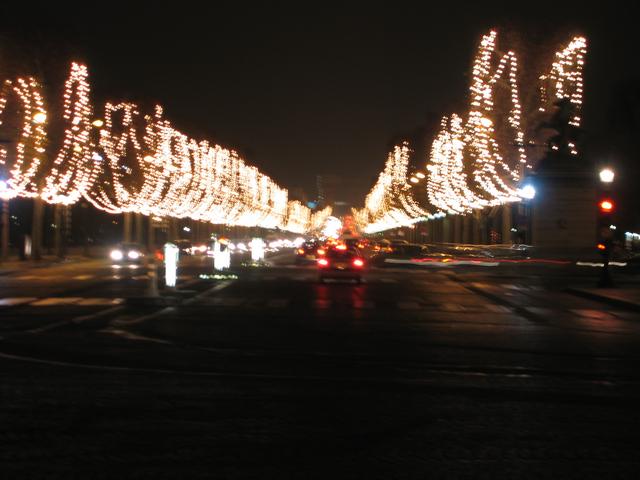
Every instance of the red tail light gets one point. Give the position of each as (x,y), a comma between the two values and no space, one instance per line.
(358,262)
(323,262)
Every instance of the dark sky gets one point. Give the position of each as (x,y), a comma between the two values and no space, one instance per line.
(316,87)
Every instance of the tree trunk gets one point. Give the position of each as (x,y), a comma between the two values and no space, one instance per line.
(37,228)
(139,228)
(126,233)
(58,230)
(5,229)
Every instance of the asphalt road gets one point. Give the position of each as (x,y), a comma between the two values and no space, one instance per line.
(433,373)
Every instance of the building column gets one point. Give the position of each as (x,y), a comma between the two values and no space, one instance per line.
(458,226)
(37,228)
(507,223)
(139,228)
(126,227)
(467,225)
(5,230)
(477,238)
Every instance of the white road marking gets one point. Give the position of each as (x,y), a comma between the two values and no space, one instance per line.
(83,277)
(77,320)
(499,308)
(101,301)
(132,336)
(13,301)
(388,280)
(452,307)
(52,301)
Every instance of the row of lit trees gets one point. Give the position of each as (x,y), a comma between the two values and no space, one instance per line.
(479,160)
(123,161)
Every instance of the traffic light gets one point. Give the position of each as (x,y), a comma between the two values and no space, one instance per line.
(606,206)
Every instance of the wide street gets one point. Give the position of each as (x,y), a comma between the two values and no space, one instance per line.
(464,372)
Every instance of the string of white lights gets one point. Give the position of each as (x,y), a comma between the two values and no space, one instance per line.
(478,161)
(134,163)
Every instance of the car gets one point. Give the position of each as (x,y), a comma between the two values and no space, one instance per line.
(341,262)
(127,254)
(307,252)
(410,250)
(185,246)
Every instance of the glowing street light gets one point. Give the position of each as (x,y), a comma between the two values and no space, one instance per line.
(528,192)
(40,117)
(607,175)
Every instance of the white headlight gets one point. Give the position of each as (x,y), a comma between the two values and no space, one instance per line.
(133,255)
(116,255)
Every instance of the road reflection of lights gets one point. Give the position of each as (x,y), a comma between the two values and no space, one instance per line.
(596,264)
(133,267)
(116,267)
(218,277)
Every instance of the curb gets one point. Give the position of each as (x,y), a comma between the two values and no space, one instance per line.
(616,302)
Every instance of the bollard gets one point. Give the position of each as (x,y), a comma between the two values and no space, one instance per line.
(171,254)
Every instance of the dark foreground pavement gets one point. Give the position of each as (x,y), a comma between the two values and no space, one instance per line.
(436,374)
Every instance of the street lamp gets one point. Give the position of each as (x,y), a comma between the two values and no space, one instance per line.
(528,192)
(607,175)
(40,117)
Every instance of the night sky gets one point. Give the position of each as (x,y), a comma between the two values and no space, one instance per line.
(317,87)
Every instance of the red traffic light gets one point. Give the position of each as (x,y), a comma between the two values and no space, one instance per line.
(602,246)
(606,205)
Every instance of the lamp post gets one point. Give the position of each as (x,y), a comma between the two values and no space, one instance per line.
(5,220)
(606,208)
(607,175)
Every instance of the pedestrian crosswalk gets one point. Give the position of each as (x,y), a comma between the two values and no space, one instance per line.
(409,305)
(59,301)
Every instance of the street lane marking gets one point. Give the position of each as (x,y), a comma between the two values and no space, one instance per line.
(13,301)
(83,277)
(77,320)
(452,307)
(132,336)
(498,308)
(198,298)
(101,301)
(47,302)
(28,277)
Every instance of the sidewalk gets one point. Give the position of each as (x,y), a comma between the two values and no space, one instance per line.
(627,297)
(14,265)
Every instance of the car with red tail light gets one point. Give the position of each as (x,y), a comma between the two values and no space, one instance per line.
(341,262)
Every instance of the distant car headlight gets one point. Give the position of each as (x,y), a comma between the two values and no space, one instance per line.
(116,255)
(133,255)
